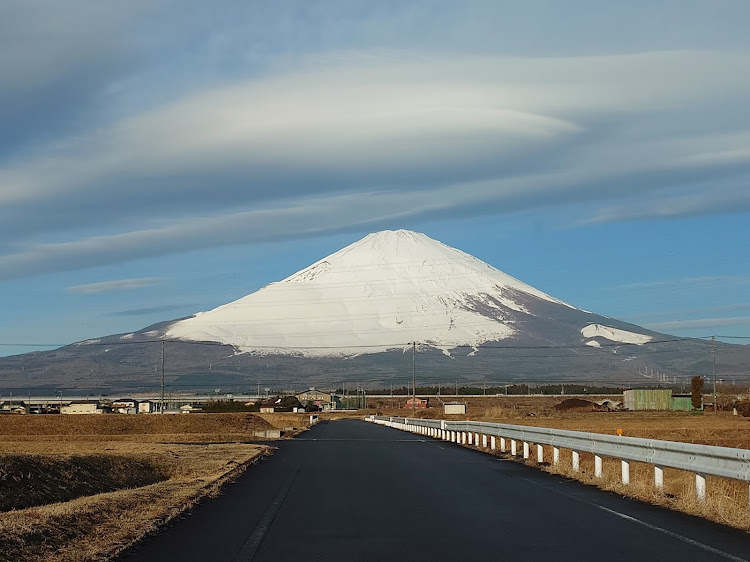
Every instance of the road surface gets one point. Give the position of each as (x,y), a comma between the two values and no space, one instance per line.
(349,490)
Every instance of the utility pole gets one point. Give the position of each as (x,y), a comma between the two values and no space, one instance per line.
(414,378)
(713,362)
(162,376)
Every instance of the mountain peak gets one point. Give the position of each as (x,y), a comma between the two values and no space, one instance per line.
(381,292)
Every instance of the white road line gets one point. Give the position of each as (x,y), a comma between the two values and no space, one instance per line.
(672,534)
(250,547)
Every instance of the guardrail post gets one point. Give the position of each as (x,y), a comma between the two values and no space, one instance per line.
(502,444)
(555,455)
(576,461)
(471,438)
(484,441)
(659,478)
(513,447)
(597,466)
(463,438)
(700,487)
(476,440)
(625,472)
(492,442)
(525,449)
(453,436)
(539,453)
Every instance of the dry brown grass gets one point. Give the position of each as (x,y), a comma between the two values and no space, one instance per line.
(722,429)
(283,420)
(114,425)
(98,526)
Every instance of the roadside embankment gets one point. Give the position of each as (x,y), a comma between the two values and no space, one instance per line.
(95,484)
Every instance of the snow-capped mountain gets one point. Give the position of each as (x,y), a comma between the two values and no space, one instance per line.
(387,290)
(349,316)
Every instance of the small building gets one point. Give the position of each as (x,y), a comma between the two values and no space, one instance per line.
(323,400)
(267,409)
(452,408)
(83,407)
(189,409)
(147,407)
(416,403)
(647,399)
(125,406)
(13,407)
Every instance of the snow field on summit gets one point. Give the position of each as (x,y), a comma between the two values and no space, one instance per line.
(383,292)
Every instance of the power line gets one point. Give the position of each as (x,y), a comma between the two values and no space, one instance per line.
(488,345)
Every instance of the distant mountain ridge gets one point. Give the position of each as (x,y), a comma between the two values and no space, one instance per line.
(382,292)
(353,315)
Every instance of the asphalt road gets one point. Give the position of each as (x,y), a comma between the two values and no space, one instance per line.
(350,490)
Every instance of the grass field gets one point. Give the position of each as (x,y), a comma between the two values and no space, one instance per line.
(727,500)
(191,457)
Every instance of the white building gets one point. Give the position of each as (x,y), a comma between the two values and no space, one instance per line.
(147,407)
(454,408)
(83,407)
(125,406)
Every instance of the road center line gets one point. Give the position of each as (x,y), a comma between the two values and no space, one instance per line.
(250,547)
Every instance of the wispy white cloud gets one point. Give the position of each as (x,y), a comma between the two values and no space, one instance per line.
(700,323)
(146,311)
(347,140)
(116,285)
(692,282)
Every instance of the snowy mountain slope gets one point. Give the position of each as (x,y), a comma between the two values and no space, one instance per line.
(381,293)
(614,334)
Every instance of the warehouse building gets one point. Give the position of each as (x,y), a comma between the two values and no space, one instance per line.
(656,399)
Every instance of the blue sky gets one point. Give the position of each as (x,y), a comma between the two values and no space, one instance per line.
(158,158)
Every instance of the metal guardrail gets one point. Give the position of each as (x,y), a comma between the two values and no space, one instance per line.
(703,460)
